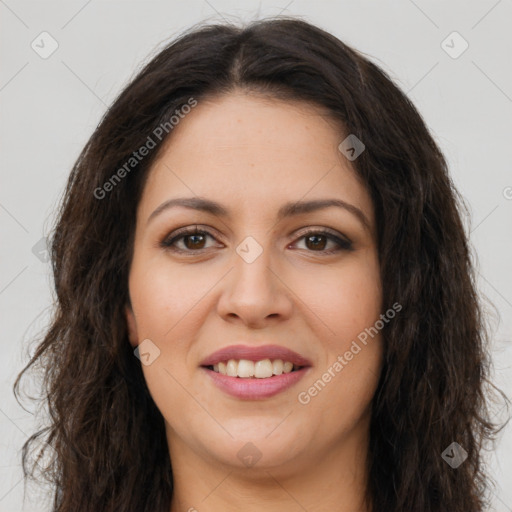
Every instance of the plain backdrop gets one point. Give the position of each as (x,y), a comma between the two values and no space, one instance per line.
(50,104)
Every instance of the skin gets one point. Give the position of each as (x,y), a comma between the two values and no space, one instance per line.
(253,154)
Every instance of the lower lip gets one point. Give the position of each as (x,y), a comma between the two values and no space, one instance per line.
(254,389)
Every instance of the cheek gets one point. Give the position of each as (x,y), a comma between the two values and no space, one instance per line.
(163,298)
(346,379)
(346,300)
(163,294)
(169,305)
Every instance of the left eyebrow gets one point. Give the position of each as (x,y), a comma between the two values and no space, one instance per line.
(287,210)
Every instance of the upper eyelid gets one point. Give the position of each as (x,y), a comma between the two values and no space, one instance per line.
(190,230)
(180,233)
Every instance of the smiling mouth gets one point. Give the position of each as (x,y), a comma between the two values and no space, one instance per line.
(246,369)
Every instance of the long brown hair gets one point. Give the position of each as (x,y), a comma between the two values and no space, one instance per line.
(107,435)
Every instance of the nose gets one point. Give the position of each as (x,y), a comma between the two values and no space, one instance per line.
(255,293)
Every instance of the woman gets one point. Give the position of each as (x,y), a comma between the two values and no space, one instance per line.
(265,294)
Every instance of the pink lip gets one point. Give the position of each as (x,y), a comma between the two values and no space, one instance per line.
(255,354)
(254,389)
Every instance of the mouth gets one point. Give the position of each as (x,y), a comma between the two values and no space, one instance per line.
(251,373)
(247,369)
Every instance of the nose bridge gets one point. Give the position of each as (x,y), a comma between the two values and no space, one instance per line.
(252,265)
(253,291)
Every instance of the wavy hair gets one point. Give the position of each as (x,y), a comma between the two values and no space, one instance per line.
(107,435)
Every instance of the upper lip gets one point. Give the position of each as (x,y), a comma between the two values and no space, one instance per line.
(253,353)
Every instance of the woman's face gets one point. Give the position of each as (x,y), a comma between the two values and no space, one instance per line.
(256,278)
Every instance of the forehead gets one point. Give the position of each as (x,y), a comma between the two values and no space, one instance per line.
(256,152)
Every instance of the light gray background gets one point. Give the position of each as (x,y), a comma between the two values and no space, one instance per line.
(49,108)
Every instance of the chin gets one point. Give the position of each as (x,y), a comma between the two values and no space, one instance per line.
(256,448)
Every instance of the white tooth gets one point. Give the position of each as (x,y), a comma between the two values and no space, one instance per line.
(277,367)
(216,368)
(232,368)
(288,367)
(245,368)
(263,369)
(222,368)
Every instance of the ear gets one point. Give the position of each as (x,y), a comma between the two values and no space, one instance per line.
(132,326)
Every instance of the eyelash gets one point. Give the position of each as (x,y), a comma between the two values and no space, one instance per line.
(168,243)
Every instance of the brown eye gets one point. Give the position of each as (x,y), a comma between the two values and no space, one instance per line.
(318,241)
(195,241)
(187,240)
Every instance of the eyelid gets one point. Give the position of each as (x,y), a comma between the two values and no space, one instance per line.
(323,230)
(181,233)
(342,241)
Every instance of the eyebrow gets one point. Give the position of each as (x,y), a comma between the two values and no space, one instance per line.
(287,210)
